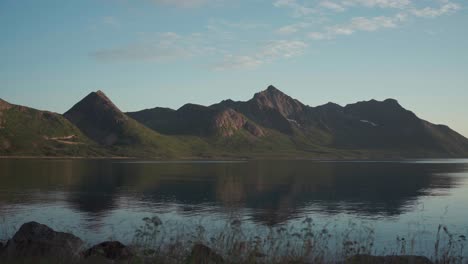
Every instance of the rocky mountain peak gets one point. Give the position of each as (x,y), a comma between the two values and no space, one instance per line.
(275,99)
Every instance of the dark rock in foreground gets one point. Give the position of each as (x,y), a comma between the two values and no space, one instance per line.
(202,254)
(110,249)
(368,259)
(37,240)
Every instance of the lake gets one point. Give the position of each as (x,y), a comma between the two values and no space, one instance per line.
(99,200)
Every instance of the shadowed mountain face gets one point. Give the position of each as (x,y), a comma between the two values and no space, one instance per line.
(196,120)
(374,126)
(270,124)
(100,119)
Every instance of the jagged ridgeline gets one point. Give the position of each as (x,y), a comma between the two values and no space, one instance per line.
(271,124)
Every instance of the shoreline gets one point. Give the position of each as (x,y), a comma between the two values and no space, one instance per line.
(258,158)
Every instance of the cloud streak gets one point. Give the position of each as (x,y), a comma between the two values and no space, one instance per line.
(378,3)
(234,45)
(268,53)
(165,47)
(298,10)
(377,23)
(430,12)
(183,3)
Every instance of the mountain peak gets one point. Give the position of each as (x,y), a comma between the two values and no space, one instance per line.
(97,116)
(389,102)
(98,99)
(330,106)
(392,101)
(272,91)
(272,88)
(100,93)
(273,98)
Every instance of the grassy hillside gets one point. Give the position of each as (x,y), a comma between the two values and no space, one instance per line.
(27,131)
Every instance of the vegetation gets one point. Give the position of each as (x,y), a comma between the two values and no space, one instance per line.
(26,131)
(307,243)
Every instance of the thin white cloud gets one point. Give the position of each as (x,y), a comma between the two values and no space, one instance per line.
(378,3)
(282,49)
(298,9)
(236,62)
(291,29)
(358,24)
(317,35)
(183,3)
(372,24)
(241,25)
(332,6)
(165,47)
(446,8)
(271,51)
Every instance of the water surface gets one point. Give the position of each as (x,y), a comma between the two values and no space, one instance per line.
(107,199)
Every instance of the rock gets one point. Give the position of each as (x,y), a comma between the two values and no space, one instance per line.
(37,240)
(202,254)
(368,259)
(111,250)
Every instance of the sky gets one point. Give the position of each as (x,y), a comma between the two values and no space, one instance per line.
(148,53)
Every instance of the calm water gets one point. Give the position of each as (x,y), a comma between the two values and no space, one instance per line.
(102,199)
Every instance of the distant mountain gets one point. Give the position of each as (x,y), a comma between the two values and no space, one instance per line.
(27,131)
(100,120)
(370,128)
(271,124)
(270,108)
(197,120)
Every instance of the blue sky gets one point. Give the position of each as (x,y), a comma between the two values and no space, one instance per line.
(147,53)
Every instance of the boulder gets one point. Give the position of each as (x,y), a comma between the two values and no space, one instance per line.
(34,240)
(113,250)
(369,259)
(202,254)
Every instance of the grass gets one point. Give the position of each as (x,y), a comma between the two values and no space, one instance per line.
(307,242)
(27,131)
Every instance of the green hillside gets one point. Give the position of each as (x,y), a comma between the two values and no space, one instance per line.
(27,131)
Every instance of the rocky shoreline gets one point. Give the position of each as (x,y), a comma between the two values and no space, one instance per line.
(38,243)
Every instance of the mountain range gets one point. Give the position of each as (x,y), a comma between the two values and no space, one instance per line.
(270,125)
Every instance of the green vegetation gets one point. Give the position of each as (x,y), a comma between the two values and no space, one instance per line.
(26,131)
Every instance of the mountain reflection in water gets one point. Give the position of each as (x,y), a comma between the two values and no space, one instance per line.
(274,191)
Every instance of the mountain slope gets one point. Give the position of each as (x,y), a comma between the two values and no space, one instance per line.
(270,108)
(197,120)
(99,119)
(27,131)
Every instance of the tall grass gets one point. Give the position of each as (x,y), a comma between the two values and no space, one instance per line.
(304,243)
